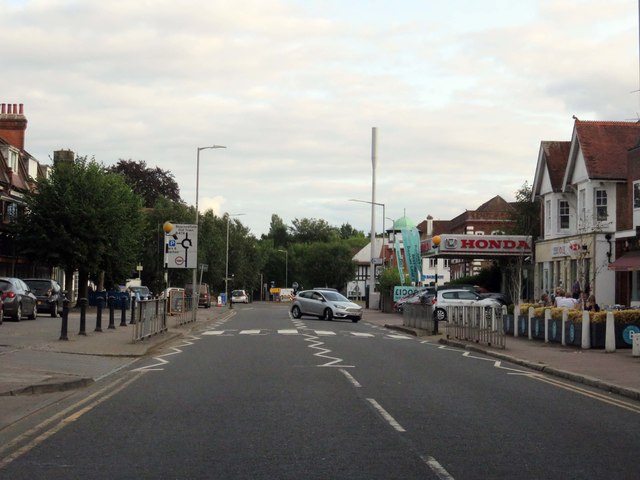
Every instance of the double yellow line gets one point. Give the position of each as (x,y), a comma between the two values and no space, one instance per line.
(32,437)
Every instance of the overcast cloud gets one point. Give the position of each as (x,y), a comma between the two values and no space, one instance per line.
(461,92)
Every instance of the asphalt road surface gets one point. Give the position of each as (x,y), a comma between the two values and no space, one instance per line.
(265,396)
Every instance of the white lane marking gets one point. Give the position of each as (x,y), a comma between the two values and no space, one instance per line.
(324,333)
(289,332)
(213,332)
(353,381)
(323,353)
(399,337)
(435,466)
(358,334)
(390,420)
(249,332)
(161,361)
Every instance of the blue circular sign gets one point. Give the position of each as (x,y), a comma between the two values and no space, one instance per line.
(627,333)
(572,332)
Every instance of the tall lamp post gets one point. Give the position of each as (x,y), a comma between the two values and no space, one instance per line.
(196,288)
(286,267)
(383,215)
(226,268)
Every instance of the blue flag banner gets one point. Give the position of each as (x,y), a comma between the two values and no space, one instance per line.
(411,240)
(400,261)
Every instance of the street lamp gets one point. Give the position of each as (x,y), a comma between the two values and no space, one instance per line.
(383,213)
(195,270)
(226,269)
(286,267)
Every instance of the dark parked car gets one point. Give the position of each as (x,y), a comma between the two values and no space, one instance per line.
(49,295)
(17,298)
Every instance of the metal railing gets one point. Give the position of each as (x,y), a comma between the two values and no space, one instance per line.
(150,318)
(419,316)
(482,325)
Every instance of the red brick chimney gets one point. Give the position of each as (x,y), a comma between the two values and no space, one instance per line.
(13,124)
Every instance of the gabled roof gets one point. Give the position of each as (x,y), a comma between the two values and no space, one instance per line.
(552,158)
(496,204)
(604,146)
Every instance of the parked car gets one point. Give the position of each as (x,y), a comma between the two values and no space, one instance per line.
(417,296)
(17,298)
(204,300)
(140,292)
(239,296)
(49,295)
(326,304)
(459,296)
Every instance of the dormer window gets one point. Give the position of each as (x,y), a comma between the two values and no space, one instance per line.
(563,215)
(601,205)
(13,159)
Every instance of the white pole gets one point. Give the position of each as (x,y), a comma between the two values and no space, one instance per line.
(372,273)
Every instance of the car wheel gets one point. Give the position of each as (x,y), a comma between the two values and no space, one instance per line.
(54,310)
(17,316)
(34,313)
(355,320)
(328,314)
(295,312)
(440,314)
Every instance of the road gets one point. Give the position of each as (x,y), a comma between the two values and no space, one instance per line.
(263,396)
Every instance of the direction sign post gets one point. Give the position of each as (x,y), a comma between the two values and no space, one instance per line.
(181,246)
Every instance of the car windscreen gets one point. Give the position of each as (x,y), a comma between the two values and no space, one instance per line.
(335,296)
(5,286)
(39,287)
(237,293)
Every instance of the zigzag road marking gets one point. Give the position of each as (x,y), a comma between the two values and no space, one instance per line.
(322,352)
(161,361)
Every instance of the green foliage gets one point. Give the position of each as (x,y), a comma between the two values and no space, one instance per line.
(526,215)
(322,264)
(489,278)
(150,183)
(83,218)
(308,230)
(390,277)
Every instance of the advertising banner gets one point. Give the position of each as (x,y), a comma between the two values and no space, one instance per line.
(411,239)
(400,261)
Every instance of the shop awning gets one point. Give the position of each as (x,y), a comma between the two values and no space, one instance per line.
(628,262)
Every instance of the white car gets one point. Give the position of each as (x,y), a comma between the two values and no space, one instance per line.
(239,296)
(326,304)
(459,297)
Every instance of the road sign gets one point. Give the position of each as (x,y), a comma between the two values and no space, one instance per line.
(181,246)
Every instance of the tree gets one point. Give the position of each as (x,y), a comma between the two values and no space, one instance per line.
(278,232)
(150,183)
(308,230)
(347,231)
(83,218)
(323,264)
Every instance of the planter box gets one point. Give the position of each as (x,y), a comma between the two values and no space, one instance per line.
(555,330)
(508,326)
(522,326)
(537,328)
(573,334)
(624,333)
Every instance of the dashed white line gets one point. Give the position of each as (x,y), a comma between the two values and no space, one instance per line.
(435,466)
(350,377)
(386,415)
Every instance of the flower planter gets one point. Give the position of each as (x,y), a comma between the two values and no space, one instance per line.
(624,333)
(507,321)
(522,326)
(598,335)
(573,334)
(555,330)
(537,328)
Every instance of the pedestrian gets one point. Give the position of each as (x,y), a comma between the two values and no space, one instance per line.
(545,301)
(591,304)
(575,290)
(562,301)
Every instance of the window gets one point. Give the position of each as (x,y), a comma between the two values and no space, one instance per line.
(601,204)
(582,205)
(636,194)
(13,160)
(433,262)
(563,214)
(547,210)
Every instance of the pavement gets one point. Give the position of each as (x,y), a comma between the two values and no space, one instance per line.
(35,361)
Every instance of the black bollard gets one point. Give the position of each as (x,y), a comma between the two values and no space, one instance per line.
(123,317)
(112,306)
(83,316)
(133,311)
(65,319)
(99,305)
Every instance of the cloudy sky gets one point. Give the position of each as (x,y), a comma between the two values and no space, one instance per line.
(461,93)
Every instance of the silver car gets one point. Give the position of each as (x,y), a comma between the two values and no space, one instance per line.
(459,297)
(326,304)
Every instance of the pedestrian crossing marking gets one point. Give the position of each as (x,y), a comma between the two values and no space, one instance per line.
(289,332)
(303,331)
